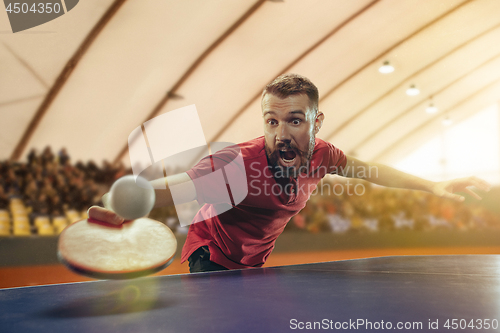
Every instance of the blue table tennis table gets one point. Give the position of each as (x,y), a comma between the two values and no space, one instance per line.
(407,293)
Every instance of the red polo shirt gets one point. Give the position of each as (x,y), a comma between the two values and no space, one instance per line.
(244,235)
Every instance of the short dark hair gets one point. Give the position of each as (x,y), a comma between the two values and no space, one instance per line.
(293,84)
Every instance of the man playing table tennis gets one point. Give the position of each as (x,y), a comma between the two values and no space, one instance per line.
(282,170)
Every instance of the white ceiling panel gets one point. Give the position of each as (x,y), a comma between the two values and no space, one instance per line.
(219,55)
(128,69)
(400,149)
(472,59)
(13,117)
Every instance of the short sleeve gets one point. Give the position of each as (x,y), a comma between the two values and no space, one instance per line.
(337,160)
(216,175)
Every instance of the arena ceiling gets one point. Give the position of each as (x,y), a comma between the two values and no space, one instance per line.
(85,80)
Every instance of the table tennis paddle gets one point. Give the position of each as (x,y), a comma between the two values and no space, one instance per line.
(100,250)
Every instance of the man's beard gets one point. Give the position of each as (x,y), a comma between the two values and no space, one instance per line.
(273,156)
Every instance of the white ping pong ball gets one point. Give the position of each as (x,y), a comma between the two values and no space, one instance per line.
(132,198)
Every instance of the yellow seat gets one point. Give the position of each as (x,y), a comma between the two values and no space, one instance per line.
(59,228)
(41,220)
(73,216)
(22,230)
(59,220)
(4,230)
(16,201)
(71,212)
(46,230)
(15,215)
(19,216)
(18,212)
(21,220)
(17,207)
(5,217)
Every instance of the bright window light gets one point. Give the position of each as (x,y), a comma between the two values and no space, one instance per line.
(467,148)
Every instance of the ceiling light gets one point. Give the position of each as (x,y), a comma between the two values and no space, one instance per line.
(431,108)
(386,68)
(447,121)
(412,91)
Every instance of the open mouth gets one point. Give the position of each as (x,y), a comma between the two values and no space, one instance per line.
(287,156)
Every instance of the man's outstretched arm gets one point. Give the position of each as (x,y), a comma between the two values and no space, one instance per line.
(185,192)
(386,176)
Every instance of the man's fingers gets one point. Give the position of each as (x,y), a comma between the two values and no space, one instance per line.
(479,183)
(474,194)
(463,184)
(452,196)
(445,189)
(104,215)
(483,186)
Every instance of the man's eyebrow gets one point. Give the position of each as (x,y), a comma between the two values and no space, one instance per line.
(291,112)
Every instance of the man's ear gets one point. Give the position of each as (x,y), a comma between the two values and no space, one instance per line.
(318,122)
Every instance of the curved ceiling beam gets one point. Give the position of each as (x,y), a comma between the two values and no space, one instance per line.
(290,65)
(376,59)
(397,86)
(411,108)
(421,127)
(172,92)
(63,77)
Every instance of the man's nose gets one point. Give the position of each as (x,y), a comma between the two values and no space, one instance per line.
(283,133)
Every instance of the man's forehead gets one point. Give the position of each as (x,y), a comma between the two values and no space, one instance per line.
(292,103)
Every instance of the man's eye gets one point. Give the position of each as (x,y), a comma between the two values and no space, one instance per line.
(272,122)
(296,121)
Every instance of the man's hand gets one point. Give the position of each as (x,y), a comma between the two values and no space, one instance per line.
(104,215)
(446,189)
(185,189)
